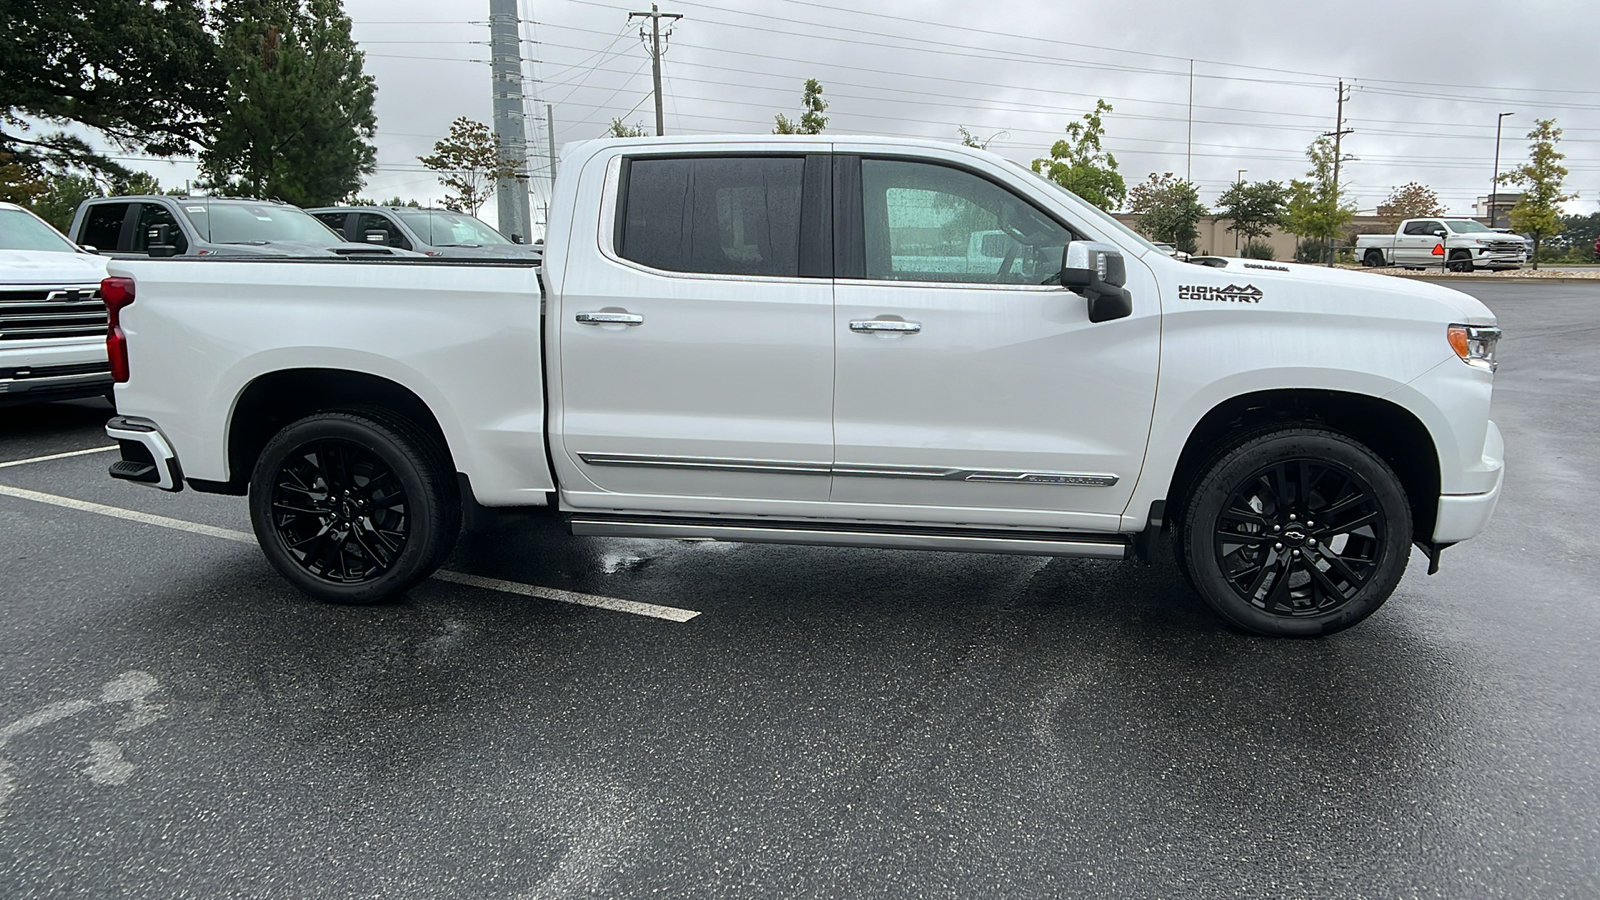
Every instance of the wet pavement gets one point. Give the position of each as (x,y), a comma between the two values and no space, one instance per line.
(177,722)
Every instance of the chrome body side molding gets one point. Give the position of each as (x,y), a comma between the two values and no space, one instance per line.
(941,473)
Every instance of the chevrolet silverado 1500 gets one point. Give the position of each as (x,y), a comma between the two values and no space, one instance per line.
(792,340)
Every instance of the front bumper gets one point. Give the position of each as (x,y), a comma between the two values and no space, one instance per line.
(1499,259)
(147,457)
(1462,516)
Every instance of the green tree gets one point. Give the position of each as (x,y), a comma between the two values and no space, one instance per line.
(66,192)
(21,180)
(1169,210)
(812,121)
(622,129)
(470,163)
(135,183)
(969,140)
(1538,213)
(1081,164)
(1252,208)
(1410,201)
(1577,236)
(297,124)
(144,74)
(1316,208)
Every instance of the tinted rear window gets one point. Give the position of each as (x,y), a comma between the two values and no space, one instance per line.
(716,215)
(102,225)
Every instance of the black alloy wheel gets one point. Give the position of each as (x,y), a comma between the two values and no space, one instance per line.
(1300,537)
(1373,259)
(1460,262)
(1297,533)
(354,507)
(340,511)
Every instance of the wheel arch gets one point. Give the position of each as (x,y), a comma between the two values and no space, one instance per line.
(1391,431)
(274,399)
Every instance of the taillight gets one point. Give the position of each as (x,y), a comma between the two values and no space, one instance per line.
(117,292)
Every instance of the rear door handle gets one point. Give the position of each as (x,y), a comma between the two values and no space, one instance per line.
(895,326)
(609,318)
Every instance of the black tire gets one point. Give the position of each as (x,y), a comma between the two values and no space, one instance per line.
(1373,259)
(1460,261)
(1259,556)
(354,508)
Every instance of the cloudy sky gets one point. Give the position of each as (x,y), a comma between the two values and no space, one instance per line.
(1426,80)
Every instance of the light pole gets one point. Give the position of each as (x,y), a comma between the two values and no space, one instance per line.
(1238,179)
(1498,121)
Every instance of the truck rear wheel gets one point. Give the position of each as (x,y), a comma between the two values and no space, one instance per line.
(354,508)
(1297,533)
(1373,259)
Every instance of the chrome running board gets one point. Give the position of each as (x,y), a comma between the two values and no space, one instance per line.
(841,534)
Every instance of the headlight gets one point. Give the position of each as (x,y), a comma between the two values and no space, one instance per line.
(1475,345)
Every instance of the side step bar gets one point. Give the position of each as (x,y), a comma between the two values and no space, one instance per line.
(843,534)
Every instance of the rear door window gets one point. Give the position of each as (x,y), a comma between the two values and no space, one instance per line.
(723,215)
(102,226)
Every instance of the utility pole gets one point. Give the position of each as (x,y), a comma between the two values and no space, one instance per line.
(1188,162)
(1238,179)
(550,137)
(1494,186)
(1338,133)
(655,15)
(505,57)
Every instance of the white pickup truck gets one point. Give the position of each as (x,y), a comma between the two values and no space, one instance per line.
(1460,245)
(52,323)
(738,339)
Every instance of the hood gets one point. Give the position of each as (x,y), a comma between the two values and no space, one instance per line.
(50,267)
(1344,290)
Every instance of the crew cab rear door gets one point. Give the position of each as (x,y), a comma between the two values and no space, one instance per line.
(696,331)
(968,386)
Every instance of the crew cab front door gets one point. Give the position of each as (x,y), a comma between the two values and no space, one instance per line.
(969,386)
(696,354)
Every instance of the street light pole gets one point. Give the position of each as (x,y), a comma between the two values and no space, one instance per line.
(1499,120)
(1238,179)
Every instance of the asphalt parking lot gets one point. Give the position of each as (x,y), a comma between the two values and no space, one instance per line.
(177,722)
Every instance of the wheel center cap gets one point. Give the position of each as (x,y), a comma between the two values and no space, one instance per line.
(1295,535)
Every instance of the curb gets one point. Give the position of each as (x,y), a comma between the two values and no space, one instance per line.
(1496,279)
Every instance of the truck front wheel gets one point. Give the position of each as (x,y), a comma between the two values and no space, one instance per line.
(1460,261)
(1296,533)
(354,508)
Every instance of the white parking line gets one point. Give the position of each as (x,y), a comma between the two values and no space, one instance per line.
(36,459)
(633,607)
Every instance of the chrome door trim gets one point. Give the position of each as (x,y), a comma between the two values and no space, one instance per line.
(788,467)
(793,467)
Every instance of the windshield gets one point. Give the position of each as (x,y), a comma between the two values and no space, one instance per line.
(446,229)
(1465,226)
(21,231)
(244,223)
(1106,219)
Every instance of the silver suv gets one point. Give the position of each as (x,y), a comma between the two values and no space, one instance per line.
(434,232)
(157,225)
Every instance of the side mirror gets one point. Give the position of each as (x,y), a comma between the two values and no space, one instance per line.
(1439,232)
(1096,270)
(89,248)
(377,237)
(517,239)
(160,242)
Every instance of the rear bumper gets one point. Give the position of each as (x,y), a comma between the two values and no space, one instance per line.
(147,457)
(1463,516)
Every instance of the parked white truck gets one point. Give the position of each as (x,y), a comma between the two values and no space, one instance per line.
(52,323)
(737,339)
(1459,245)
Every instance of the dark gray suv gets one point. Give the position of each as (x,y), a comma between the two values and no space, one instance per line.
(435,232)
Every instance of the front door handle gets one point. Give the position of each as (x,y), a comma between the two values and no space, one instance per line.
(895,326)
(609,318)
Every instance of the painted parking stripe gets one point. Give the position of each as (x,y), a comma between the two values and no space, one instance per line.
(40,459)
(633,607)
